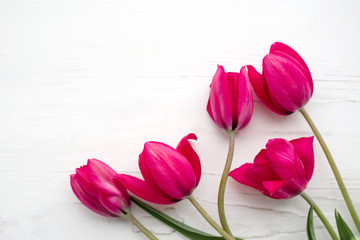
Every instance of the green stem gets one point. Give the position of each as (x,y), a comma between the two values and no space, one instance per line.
(141,227)
(211,221)
(223,181)
(320,215)
(334,168)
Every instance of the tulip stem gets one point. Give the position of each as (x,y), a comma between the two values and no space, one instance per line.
(224,177)
(320,215)
(334,168)
(141,227)
(211,221)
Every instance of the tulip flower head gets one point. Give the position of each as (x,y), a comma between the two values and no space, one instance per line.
(282,170)
(230,102)
(169,174)
(95,186)
(286,84)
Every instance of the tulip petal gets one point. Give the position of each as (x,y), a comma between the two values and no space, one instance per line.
(185,148)
(305,150)
(287,83)
(86,199)
(233,80)
(220,100)
(101,175)
(243,175)
(209,110)
(243,101)
(281,47)
(142,189)
(170,170)
(238,174)
(261,89)
(283,159)
(308,83)
(288,189)
(83,179)
(273,186)
(111,204)
(261,159)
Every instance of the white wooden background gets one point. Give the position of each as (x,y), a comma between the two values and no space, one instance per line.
(86,79)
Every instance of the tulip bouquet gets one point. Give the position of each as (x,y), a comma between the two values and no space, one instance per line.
(282,170)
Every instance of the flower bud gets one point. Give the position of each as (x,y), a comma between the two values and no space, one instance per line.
(95,186)
(230,102)
(286,84)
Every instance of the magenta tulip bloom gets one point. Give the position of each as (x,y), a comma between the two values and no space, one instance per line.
(286,84)
(169,174)
(95,186)
(282,170)
(230,102)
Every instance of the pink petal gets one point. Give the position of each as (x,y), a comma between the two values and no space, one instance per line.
(83,180)
(261,170)
(115,204)
(287,83)
(143,190)
(283,159)
(101,175)
(169,169)
(243,100)
(233,80)
(261,89)
(209,110)
(273,186)
(309,82)
(280,47)
(220,100)
(185,148)
(261,159)
(112,206)
(88,200)
(289,189)
(305,150)
(241,175)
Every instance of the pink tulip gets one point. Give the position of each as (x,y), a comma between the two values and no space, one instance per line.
(286,84)
(170,174)
(282,170)
(95,187)
(230,102)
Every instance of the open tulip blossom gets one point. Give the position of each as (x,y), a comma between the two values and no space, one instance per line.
(282,170)
(169,174)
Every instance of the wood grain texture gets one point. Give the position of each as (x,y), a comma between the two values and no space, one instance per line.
(97,78)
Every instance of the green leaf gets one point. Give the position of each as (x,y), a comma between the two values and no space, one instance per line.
(310,225)
(186,230)
(344,230)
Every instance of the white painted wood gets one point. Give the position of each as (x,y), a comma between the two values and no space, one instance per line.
(97,78)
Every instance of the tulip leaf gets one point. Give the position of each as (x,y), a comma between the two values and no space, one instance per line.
(186,230)
(310,225)
(343,229)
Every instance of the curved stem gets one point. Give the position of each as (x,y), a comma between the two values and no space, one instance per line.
(334,168)
(211,221)
(141,227)
(320,215)
(224,177)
